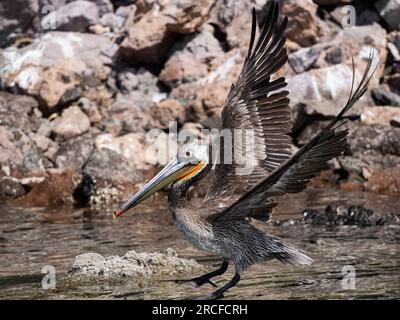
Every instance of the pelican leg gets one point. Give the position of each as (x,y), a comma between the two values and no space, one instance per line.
(199,281)
(220,292)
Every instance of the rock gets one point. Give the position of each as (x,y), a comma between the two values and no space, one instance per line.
(385,98)
(55,188)
(15,19)
(380,115)
(389,10)
(302,16)
(204,98)
(119,161)
(141,86)
(353,215)
(103,6)
(148,40)
(10,188)
(166,111)
(371,149)
(192,59)
(73,153)
(303,59)
(186,17)
(325,91)
(75,16)
(329,3)
(55,66)
(124,116)
(72,123)
(133,265)
(112,21)
(19,111)
(42,142)
(386,180)
(9,151)
(355,42)
(334,55)
(90,108)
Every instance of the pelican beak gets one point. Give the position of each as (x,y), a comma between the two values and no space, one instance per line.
(172,172)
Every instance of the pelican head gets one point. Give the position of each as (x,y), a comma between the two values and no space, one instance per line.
(191,160)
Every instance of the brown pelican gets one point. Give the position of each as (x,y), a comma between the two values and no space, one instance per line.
(222,223)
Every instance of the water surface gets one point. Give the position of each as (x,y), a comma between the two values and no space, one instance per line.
(31,238)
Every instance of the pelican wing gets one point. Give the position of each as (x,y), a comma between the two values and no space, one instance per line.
(296,172)
(260,108)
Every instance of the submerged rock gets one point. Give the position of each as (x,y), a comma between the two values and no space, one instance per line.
(353,215)
(133,265)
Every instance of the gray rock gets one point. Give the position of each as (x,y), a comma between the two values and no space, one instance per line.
(389,10)
(73,154)
(15,18)
(332,2)
(385,98)
(334,55)
(324,91)
(10,188)
(117,160)
(133,265)
(141,86)
(75,16)
(191,59)
(372,148)
(303,59)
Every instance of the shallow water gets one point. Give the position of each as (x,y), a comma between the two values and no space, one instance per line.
(31,238)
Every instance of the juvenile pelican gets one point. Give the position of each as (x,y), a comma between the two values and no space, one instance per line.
(222,223)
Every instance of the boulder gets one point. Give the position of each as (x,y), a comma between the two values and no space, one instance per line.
(150,38)
(72,123)
(389,10)
(74,153)
(75,16)
(15,19)
(384,97)
(119,161)
(302,16)
(192,59)
(303,59)
(55,66)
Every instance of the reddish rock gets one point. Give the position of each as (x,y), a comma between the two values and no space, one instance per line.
(386,180)
(56,188)
(304,27)
(380,115)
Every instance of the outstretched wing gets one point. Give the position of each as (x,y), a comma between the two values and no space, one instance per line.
(307,163)
(256,105)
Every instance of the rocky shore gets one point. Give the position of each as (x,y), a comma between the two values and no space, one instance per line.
(82,82)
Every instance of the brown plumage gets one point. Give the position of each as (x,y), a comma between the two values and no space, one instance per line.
(222,223)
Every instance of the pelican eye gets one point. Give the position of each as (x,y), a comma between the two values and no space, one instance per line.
(188,154)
